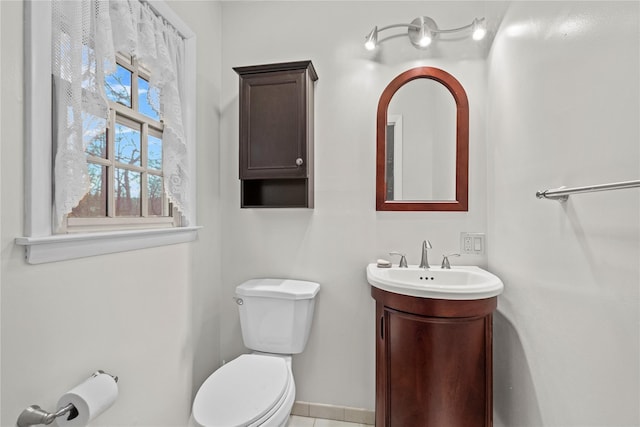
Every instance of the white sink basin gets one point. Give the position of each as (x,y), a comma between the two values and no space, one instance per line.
(459,283)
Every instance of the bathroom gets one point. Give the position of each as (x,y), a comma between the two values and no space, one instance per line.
(554,101)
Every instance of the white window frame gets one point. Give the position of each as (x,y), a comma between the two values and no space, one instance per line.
(42,245)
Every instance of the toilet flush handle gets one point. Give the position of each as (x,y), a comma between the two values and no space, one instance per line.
(239,301)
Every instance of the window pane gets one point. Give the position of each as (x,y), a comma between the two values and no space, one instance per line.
(154,154)
(155,205)
(127,190)
(94,203)
(118,86)
(88,65)
(127,145)
(143,102)
(94,135)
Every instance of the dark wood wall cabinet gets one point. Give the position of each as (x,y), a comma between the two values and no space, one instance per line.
(433,361)
(276,135)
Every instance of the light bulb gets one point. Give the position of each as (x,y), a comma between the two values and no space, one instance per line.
(479,29)
(425,41)
(372,39)
(425,37)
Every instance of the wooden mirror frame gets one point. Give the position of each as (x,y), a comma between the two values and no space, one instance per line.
(461,201)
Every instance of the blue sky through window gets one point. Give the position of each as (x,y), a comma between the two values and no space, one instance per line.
(154,148)
(118,86)
(127,145)
(143,103)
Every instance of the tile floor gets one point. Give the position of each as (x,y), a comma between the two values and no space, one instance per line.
(297,421)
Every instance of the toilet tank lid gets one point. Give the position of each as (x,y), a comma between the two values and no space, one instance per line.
(278,288)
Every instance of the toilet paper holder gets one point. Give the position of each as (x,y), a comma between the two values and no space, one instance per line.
(34,414)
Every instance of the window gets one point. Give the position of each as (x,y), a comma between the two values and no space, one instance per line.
(124,159)
(131,178)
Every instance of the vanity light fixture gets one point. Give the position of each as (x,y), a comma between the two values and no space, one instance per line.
(422,30)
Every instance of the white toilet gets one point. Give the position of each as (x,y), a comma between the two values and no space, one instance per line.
(257,389)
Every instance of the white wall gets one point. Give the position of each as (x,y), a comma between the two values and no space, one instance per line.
(139,315)
(204,18)
(563,110)
(332,243)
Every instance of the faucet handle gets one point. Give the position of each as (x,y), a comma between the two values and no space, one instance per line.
(403,259)
(427,244)
(445,261)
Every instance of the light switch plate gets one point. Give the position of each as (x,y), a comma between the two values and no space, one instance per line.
(472,243)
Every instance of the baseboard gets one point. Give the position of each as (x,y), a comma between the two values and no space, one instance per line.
(333,412)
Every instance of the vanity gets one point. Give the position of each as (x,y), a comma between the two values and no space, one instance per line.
(434,326)
(434,345)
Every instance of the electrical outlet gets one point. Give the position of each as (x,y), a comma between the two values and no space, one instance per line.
(467,244)
(472,243)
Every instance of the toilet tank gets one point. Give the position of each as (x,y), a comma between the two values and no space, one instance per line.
(276,314)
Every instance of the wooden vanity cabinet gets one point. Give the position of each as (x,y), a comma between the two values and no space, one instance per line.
(276,134)
(433,361)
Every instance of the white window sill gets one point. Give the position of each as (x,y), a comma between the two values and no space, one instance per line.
(71,246)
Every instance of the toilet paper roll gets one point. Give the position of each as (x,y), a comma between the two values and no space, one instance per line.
(91,398)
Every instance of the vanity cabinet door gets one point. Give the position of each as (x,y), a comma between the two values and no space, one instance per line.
(433,371)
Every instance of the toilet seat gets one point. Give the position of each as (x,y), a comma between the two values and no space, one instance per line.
(244,392)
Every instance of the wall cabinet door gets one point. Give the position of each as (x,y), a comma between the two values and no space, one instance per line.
(273,138)
(433,371)
(276,134)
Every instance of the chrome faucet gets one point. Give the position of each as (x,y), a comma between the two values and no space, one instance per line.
(424,262)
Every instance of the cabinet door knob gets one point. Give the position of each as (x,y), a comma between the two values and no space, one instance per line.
(299,161)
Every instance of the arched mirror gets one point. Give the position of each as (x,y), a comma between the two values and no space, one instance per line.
(422,153)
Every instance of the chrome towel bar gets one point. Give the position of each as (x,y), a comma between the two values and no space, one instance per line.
(562,193)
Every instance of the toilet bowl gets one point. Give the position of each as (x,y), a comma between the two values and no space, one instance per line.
(258,389)
(251,390)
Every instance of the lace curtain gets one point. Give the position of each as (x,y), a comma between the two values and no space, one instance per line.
(86,37)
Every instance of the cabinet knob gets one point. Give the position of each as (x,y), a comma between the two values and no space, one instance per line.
(299,161)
